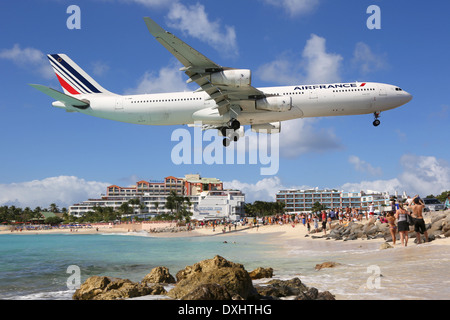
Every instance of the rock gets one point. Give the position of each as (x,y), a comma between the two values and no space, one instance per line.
(447,234)
(282,288)
(314,294)
(105,288)
(91,287)
(385,246)
(218,270)
(209,291)
(437,218)
(260,273)
(159,275)
(328,264)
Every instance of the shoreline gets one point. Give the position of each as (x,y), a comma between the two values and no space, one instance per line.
(287,232)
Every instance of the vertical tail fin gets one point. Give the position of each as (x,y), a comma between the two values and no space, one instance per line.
(72,78)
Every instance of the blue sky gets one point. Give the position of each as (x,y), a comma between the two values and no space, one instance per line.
(48,155)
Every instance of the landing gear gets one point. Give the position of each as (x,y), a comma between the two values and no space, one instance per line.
(376,122)
(234,124)
(229,132)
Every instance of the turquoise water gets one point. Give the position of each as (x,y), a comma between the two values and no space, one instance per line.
(36,266)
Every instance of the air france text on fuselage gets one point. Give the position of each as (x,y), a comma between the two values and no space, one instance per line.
(330,86)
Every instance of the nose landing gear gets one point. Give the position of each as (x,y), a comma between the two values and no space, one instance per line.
(376,122)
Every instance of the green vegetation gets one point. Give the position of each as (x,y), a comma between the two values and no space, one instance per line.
(440,197)
(263,208)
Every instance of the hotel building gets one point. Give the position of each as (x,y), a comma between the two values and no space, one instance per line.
(303,200)
(209,200)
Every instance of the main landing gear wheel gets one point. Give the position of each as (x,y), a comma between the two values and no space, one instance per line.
(226,142)
(234,124)
(377,122)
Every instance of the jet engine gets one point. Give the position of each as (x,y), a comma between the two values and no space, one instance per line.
(273,127)
(278,103)
(234,78)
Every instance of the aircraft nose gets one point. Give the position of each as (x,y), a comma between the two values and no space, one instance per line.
(408,97)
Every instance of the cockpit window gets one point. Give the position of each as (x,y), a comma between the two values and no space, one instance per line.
(398,89)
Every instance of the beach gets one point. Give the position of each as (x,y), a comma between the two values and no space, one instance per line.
(415,272)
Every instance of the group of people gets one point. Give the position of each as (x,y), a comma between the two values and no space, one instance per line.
(408,213)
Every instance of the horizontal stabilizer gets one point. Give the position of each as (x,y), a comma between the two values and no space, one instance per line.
(59,96)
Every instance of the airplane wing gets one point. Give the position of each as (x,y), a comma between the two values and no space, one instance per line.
(226,86)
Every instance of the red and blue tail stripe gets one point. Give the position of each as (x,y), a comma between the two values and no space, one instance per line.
(71,77)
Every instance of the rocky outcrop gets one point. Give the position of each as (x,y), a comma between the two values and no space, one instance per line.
(261,273)
(105,288)
(159,275)
(439,226)
(212,279)
(218,270)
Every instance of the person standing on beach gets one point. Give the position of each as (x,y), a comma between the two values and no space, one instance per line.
(447,202)
(403,225)
(392,226)
(419,223)
(371,210)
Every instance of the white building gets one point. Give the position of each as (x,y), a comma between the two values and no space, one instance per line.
(303,200)
(208,199)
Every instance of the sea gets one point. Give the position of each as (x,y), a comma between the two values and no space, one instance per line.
(48,266)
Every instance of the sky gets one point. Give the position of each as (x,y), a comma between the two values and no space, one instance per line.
(52,156)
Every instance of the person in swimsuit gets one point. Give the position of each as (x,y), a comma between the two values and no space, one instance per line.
(419,225)
(392,226)
(403,225)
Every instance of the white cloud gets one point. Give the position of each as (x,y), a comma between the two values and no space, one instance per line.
(367,61)
(295,7)
(29,58)
(363,166)
(264,190)
(315,66)
(195,22)
(168,79)
(62,190)
(421,175)
(99,68)
(299,137)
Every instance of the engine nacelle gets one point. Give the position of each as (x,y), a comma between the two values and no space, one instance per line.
(279,104)
(273,127)
(234,78)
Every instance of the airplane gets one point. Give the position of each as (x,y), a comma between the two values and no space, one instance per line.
(225,99)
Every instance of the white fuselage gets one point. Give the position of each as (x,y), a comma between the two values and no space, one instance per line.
(188,107)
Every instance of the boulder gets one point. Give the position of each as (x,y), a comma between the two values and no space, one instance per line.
(385,246)
(328,264)
(282,288)
(218,270)
(260,273)
(314,294)
(91,287)
(159,275)
(276,289)
(105,288)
